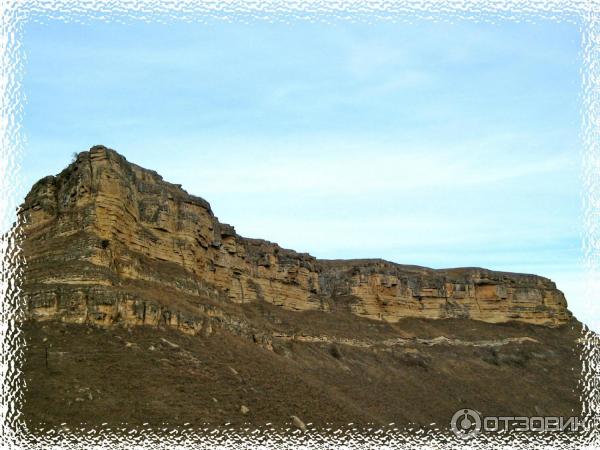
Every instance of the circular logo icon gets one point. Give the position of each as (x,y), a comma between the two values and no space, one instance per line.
(466,423)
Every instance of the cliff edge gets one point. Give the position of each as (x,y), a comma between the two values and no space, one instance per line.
(107,241)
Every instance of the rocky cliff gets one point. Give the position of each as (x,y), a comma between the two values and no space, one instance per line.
(107,241)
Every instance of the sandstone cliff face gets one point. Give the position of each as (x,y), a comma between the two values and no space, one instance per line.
(107,241)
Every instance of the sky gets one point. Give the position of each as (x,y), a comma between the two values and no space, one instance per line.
(435,144)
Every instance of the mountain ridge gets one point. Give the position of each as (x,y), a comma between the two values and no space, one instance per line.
(141,307)
(117,224)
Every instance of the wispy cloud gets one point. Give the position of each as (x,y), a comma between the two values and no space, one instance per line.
(372,171)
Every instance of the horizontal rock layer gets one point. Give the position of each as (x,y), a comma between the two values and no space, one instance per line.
(107,241)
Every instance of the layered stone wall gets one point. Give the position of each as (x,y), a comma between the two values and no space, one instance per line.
(106,241)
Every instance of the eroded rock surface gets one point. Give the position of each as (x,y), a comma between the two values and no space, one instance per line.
(107,241)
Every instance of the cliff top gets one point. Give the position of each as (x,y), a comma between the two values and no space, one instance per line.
(139,174)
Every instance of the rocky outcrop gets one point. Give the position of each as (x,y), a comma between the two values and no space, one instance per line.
(391,291)
(108,241)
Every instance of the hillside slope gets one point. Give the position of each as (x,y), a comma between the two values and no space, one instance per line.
(414,372)
(143,307)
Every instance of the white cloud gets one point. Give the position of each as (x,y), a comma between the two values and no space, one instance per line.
(372,171)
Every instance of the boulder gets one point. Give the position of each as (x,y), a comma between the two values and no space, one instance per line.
(298,423)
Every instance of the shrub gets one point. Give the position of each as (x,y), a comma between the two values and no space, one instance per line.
(335,351)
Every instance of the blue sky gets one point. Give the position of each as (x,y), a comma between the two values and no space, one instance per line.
(436,144)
